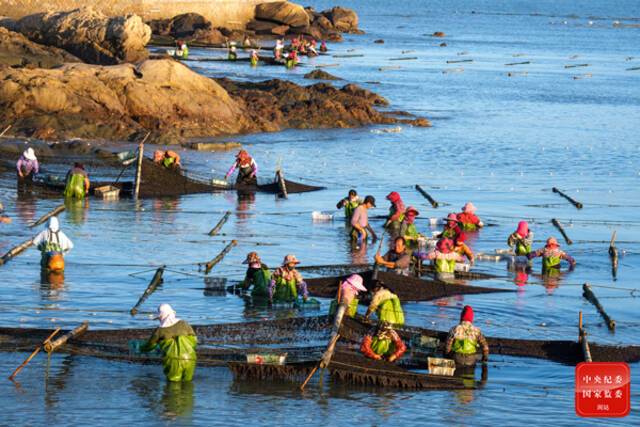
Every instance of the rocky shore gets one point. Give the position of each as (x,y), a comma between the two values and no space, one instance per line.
(81,74)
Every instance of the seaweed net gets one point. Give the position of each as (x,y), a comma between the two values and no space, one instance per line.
(406,287)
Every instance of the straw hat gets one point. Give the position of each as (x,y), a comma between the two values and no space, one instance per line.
(290,259)
(355,280)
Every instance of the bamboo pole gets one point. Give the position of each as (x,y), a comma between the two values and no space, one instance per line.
(591,297)
(282,184)
(573,201)
(518,63)
(55,211)
(32,355)
(582,339)
(613,254)
(427,196)
(215,230)
(209,266)
(50,347)
(139,168)
(577,65)
(15,251)
(458,61)
(5,130)
(557,224)
(153,285)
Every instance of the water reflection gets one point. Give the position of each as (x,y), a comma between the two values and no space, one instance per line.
(176,401)
(77,210)
(51,284)
(468,374)
(26,207)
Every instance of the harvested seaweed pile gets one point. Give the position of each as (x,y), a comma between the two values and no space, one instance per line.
(407,288)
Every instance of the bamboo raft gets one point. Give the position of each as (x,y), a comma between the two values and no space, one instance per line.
(158,181)
(407,288)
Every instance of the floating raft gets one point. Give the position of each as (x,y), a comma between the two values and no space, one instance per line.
(343,269)
(407,288)
(158,181)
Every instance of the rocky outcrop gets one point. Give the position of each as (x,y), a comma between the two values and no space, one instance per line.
(343,19)
(180,26)
(283,12)
(276,104)
(117,102)
(320,75)
(89,35)
(167,98)
(18,51)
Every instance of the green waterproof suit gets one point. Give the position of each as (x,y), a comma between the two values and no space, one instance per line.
(178,345)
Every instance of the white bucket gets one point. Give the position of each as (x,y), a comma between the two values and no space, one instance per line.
(321,216)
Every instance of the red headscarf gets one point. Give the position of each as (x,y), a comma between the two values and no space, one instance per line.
(243,158)
(523,229)
(393,196)
(467,314)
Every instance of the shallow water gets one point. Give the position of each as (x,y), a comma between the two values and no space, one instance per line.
(500,141)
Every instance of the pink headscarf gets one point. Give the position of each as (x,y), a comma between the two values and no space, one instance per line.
(523,229)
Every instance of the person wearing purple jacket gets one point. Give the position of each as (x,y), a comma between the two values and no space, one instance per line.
(27,166)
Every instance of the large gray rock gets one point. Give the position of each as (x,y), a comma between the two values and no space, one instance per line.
(90,35)
(16,50)
(283,12)
(187,24)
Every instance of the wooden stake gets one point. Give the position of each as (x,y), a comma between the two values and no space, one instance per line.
(574,202)
(613,254)
(577,65)
(209,266)
(50,347)
(282,184)
(139,169)
(518,63)
(15,251)
(459,61)
(220,223)
(591,297)
(5,130)
(155,282)
(557,224)
(55,211)
(582,339)
(427,196)
(32,355)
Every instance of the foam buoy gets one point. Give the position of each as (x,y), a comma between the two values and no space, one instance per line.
(56,262)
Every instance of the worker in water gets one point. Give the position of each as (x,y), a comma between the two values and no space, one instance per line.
(182,50)
(465,340)
(177,342)
(461,248)
(386,305)
(247,169)
(312,49)
(27,166)
(408,227)
(349,203)
(451,227)
(233,53)
(258,276)
(77,182)
(444,259)
(396,213)
(360,221)
(246,42)
(521,240)
(167,158)
(287,282)
(467,219)
(347,295)
(278,49)
(254,58)
(552,256)
(291,59)
(397,259)
(53,244)
(323,46)
(383,344)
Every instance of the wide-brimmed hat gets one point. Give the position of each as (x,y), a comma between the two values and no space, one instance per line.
(552,242)
(451,217)
(291,258)
(394,196)
(468,208)
(412,209)
(252,258)
(355,280)
(29,154)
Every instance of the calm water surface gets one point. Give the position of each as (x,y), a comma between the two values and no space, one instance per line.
(502,141)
